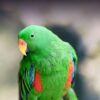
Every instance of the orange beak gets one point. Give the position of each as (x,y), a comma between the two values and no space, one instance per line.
(22,46)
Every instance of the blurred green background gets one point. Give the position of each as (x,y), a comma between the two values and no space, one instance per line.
(83,17)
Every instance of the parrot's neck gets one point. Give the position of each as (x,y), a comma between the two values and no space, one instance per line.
(40,54)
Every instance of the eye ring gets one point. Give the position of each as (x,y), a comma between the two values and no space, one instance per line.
(32,35)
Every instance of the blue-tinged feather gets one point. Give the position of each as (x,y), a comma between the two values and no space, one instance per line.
(31,74)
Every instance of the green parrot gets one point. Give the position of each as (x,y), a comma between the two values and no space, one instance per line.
(47,67)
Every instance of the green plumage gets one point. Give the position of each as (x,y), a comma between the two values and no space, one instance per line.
(51,56)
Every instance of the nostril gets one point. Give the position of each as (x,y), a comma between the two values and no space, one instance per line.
(22,43)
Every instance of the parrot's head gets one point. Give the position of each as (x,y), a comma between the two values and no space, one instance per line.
(34,38)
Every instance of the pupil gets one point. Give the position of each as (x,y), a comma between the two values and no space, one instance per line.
(32,35)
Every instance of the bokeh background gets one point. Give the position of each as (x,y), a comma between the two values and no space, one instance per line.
(75,22)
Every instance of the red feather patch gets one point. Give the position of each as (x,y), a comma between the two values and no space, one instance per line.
(37,82)
(70,72)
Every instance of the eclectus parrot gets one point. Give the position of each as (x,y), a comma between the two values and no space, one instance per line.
(47,67)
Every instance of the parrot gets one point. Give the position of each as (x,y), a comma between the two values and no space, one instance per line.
(48,65)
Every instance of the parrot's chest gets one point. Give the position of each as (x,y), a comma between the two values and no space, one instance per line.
(53,83)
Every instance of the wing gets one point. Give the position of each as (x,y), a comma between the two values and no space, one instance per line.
(72,64)
(26,78)
(70,94)
(29,78)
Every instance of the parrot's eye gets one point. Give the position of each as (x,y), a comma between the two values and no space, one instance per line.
(32,35)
